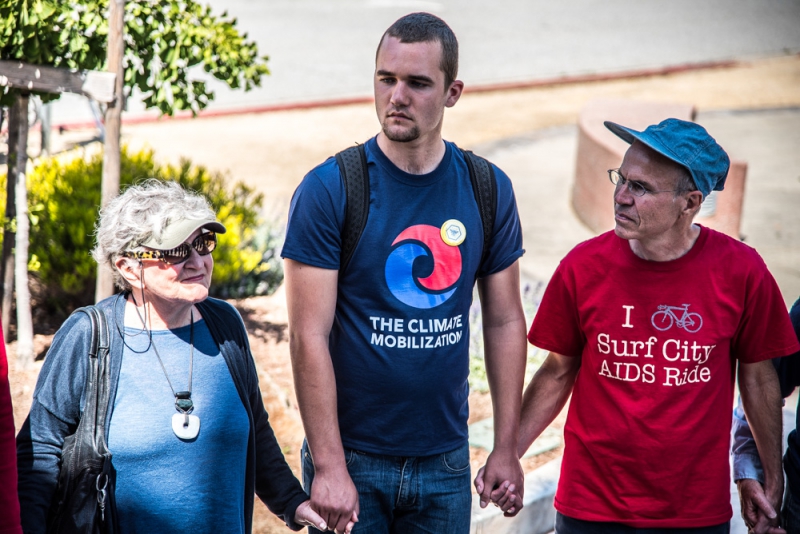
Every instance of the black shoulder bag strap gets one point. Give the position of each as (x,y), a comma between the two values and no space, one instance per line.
(84,497)
(355,175)
(484,187)
(353,169)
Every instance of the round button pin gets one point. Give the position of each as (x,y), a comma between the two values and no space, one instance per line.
(453,232)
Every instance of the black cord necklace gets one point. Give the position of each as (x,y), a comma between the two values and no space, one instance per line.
(185,425)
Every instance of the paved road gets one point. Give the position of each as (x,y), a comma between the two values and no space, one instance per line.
(322,49)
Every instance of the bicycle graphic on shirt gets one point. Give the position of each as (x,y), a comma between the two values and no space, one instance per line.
(666,317)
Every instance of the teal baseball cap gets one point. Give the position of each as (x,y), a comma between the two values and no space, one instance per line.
(686,143)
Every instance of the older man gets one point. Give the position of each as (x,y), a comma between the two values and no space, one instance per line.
(645,326)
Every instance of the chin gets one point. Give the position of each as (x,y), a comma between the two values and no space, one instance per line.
(197,295)
(401,135)
(623,233)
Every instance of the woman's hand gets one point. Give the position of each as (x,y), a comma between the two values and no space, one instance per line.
(305,515)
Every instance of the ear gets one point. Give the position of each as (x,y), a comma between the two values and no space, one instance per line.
(130,270)
(693,201)
(454,93)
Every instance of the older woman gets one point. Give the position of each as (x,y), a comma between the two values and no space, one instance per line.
(186,425)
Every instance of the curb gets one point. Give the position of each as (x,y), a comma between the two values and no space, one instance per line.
(485,88)
(536,517)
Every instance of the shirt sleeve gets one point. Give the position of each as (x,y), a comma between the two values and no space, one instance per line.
(556,326)
(9,519)
(746,461)
(505,246)
(316,218)
(765,330)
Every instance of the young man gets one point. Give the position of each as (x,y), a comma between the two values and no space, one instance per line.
(380,347)
(645,325)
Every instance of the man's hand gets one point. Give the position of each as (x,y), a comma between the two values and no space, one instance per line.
(335,499)
(761,400)
(501,482)
(306,516)
(759,514)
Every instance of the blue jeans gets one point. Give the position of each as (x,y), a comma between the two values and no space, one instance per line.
(569,525)
(399,495)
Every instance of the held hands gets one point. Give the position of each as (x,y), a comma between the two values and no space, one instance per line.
(306,516)
(760,516)
(334,501)
(501,482)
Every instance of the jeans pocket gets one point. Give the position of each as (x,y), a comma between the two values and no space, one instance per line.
(350,456)
(457,460)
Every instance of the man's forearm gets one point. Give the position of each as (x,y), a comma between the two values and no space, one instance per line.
(315,386)
(311,303)
(545,396)
(505,347)
(505,355)
(761,399)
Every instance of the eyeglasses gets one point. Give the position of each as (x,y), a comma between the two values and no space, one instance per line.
(204,244)
(637,188)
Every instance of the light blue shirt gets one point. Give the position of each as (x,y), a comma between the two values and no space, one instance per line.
(165,484)
(746,461)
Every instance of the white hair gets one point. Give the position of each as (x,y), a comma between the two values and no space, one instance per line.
(141,212)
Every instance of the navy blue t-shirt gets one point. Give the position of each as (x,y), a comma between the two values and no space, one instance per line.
(400,337)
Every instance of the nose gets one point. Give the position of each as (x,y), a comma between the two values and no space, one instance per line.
(623,195)
(195,259)
(399,94)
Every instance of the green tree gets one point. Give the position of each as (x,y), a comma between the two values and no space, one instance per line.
(164,40)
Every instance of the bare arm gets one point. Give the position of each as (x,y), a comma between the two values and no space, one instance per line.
(505,349)
(761,399)
(311,300)
(545,396)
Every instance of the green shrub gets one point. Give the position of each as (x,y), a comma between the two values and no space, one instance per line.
(64,196)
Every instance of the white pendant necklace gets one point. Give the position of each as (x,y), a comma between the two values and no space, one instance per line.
(184,425)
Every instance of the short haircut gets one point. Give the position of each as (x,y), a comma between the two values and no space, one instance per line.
(685,182)
(142,211)
(425,28)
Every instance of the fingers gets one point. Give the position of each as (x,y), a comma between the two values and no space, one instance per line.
(353,520)
(757,512)
(305,515)
(759,499)
(345,524)
(479,482)
(342,524)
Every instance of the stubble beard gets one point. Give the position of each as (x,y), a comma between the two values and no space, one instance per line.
(401,135)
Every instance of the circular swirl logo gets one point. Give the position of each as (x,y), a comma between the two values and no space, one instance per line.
(443,265)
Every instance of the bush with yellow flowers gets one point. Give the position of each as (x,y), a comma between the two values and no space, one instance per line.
(64,198)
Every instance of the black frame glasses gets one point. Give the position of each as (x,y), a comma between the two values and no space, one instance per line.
(637,188)
(204,244)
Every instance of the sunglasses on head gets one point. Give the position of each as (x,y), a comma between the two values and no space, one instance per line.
(204,244)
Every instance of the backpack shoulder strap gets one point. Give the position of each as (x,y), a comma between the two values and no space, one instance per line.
(97,380)
(484,187)
(355,175)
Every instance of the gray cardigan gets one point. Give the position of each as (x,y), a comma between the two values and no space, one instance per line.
(58,400)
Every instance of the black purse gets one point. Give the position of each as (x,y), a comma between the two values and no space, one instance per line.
(84,499)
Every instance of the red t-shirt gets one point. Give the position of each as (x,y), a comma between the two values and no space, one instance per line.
(9,505)
(648,429)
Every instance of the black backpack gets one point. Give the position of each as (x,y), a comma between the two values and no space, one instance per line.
(355,175)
